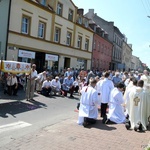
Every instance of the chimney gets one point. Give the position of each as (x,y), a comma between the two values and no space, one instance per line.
(80,11)
(91,13)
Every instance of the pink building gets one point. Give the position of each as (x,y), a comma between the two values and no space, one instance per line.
(102,49)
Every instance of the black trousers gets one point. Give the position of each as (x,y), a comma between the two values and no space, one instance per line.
(89,120)
(12,90)
(46,91)
(103,109)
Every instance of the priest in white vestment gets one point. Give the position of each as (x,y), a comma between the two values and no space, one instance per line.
(88,110)
(146,78)
(138,115)
(132,85)
(116,110)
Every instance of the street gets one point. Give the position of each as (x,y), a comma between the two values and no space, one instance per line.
(20,117)
(49,123)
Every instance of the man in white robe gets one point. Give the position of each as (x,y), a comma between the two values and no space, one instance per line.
(116,110)
(88,110)
(139,113)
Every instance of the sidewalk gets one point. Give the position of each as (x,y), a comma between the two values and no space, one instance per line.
(67,135)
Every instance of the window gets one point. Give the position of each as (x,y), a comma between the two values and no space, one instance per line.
(102,48)
(59,9)
(57,35)
(25,25)
(41,30)
(86,23)
(69,35)
(70,15)
(94,44)
(86,44)
(43,2)
(99,48)
(79,42)
(80,20)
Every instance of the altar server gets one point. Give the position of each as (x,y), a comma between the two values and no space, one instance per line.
(88,111)
(104,88)
(116,110)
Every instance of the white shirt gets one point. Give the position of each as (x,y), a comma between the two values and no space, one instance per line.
(11,81)
(56,83)
(46,84)
(76,83)
(41,77)
(33,74)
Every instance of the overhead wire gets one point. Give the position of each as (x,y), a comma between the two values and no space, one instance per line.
(148,5)
(145,8)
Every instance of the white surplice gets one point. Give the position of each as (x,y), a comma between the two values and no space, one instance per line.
(139,107)
(104,87)
(116,110)
(88,104)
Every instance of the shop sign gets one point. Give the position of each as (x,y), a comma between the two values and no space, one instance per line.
(26,54)
(51,57)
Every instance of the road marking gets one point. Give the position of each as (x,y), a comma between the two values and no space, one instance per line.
(13,126)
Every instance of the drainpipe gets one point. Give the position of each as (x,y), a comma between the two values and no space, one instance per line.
(7,29)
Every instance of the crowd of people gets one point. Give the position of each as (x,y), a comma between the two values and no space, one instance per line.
(121,97)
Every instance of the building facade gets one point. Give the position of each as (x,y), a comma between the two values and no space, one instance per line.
(114,35)
(127,55)
(50,33)
(136,64)
(102,49)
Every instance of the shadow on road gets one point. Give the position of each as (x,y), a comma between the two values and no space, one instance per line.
(13,108)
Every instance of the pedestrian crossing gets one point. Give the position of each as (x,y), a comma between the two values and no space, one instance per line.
(14,126)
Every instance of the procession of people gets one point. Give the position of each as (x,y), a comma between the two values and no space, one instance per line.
(122,98)
(114,96)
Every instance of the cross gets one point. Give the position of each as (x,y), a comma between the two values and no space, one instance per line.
(136,100)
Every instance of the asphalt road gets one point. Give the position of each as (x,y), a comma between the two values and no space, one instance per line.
(19,117)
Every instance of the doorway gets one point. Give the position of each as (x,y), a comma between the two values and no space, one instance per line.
(40,61)
(66,62)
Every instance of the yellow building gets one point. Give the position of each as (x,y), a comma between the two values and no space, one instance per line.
(52,33)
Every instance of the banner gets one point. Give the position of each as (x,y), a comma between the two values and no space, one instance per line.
(51,57)
(26,54)
(15,67)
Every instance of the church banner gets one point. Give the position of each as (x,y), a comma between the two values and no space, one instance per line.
(15,67)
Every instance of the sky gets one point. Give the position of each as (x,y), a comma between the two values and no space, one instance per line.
(130,16)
